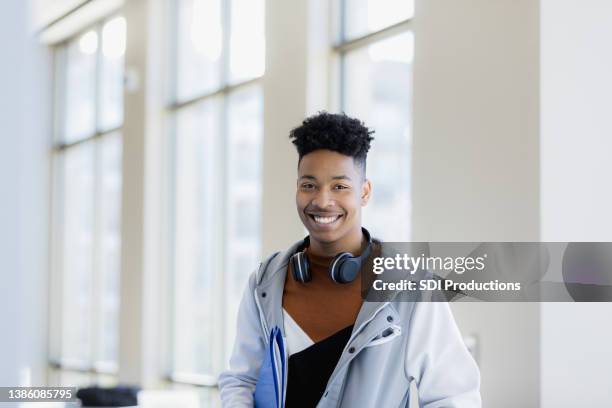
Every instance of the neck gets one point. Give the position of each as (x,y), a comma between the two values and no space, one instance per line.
(352,243)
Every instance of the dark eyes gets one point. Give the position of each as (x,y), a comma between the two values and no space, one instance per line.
(310,186)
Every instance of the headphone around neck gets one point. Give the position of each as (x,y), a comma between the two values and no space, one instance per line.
(342,269)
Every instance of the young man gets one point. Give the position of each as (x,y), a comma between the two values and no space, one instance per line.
(342,351)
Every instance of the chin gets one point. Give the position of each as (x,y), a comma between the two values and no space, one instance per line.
(325,237)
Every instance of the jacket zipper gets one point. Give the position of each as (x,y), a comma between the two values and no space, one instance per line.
(356,332)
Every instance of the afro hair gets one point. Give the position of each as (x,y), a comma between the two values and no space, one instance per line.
(333,131)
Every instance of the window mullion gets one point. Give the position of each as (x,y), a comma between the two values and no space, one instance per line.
(223,168)
(226,29)
(224,177)
(342,12)
(219,92)
(171,50)
(61,74)
(359,42)
(89,138)
(98,80)
(56,289)
(96,278)
(342,82)
(169,363)
(57,270)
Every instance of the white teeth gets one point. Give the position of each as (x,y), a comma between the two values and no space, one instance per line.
(325,220)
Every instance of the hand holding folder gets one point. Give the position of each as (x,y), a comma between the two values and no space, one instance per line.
(270,388)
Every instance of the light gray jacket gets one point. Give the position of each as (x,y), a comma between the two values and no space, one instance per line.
(392,344)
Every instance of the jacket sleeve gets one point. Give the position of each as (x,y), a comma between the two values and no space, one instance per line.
(237,384)
(446,375)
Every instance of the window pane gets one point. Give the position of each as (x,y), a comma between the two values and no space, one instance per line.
(362,17)
(79,109)
(247,41)
(77,252)
(378,89)
(196,245)
(111,74)
(110,248)
(245,128)
(199,45)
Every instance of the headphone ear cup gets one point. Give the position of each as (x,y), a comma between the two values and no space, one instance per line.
(344,268)
(300,267)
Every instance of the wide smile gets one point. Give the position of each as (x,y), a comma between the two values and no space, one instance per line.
(324,219)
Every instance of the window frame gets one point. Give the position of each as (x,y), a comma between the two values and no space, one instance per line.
(172,109)
(56,364)
(341,47)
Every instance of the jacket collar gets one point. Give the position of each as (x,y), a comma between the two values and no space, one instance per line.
(274,266)
(269,287)
(373,319)
(270,284)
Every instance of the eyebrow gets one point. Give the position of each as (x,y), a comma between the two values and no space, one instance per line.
(341,177)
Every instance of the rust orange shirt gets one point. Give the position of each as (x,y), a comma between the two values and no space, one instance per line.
(321,307)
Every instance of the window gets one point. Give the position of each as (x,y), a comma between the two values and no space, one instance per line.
(87,201)
(216,137)
(375,50)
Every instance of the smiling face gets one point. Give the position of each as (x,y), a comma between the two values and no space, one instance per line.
(331,190)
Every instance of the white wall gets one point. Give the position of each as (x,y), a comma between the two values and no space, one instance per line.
(576,120)
(486,170)
(576,174)
(476,127)
(24,170)
(476,163)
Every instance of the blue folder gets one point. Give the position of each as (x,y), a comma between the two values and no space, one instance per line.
(270,388)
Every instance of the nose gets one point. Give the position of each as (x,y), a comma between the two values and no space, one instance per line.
(323,199)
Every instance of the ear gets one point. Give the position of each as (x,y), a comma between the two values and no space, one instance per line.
(366,192)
